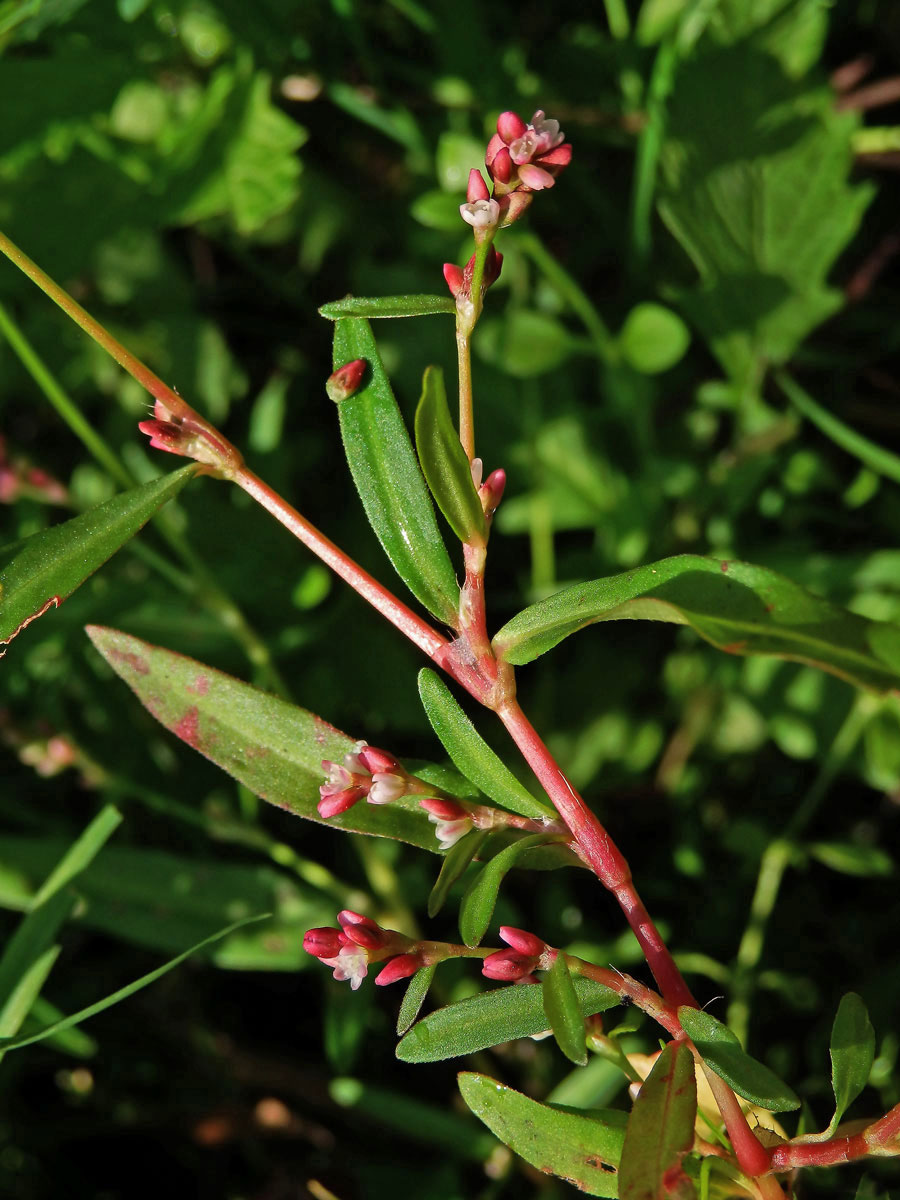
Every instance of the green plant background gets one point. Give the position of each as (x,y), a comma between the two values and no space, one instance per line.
(204,176)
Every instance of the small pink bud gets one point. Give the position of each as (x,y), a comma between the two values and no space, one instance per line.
(368,938)
(373,759)
(339,802)
(345,380)
(400,967)
(347,918)
(322,943)
(445,810)
(510,126)
(501,166)
(535,177)
(560,157)
(507,966)
(522,941)
(477,189)
(453,276)
(491,491)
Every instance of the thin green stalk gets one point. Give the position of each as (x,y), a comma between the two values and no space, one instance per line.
(777,858)
(578,301)
(648,150)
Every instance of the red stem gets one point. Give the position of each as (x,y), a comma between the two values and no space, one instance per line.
(839,1149)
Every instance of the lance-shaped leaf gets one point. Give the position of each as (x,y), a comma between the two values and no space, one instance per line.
(388,479)
(50,565)
(582,1148)
(492,1017)
(721,1050)
(564,1011)
(388,306)
(477,905)
(445,463)
(661,1130)
(471,753)
(414,998)
(736,606)
(852,1054)
(457,859)
(274,748)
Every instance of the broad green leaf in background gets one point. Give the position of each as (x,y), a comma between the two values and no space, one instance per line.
(738,607)
(524,343)
(50,565)
(852,1054)
(165,901)
(477,906)
(123,993)
(457,859)
(388,479)
(471,754)
(274,748)
(582,1148)
(756,190)
(492,1017)
(445,464)
(564,1012)
(653,338)
(389,306)
(414,998)
(661,1130)
(722,1051)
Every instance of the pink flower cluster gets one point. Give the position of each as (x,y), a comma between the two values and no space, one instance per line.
(359,942)
(516,964)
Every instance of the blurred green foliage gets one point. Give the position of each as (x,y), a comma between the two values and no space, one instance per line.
(203,176)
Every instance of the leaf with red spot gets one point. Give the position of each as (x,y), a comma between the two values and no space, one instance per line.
(738,607)
(661,1130)
(47,567)
(274,748)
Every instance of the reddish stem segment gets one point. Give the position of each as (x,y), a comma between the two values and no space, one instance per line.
(394,610)
(599,852)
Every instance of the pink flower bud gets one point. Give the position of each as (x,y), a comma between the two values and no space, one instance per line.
(386,788)
(560,157)
(445,810)
(513,206)
(507,966)
(500,165)
(345,380)
(522,941)
(374,760)
(400,967)
(535,177)
(453,275)
(322,943)
(333,804)
(491,491)
(366,936)
(510,126)
(347,919)
(492,266)
(477,189)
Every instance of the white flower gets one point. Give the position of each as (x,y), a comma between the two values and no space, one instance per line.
(386,787)
(352,963)
(448,833)
(481,213)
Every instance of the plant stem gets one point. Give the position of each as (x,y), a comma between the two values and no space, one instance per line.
(418,631)
(598,850)
(466,415)
(840,1149)
(648,150)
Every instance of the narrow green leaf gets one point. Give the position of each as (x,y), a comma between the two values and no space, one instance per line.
(444,462)
(849,858)
(492,1017)
(852,1054)
(477,905)
(388,306)
(722,1051)
(414,998)
(471,753)
(661,1130)
(564,1012)
(18,1003)
(457,859)
(738,607)
(581,1147)
(274,748)
(123,993)
(50,565)
(870,453)
(388,479)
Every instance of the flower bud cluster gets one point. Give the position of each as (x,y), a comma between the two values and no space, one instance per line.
(365,772)
(359,942)
(516,964)
(177,428)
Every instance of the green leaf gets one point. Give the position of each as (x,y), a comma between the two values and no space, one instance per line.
(274,748)
(123,993)
(524,343)
(852,1054)
(477,905)
(388,306)
(492,1017)
(653,338)
(756,190)
(471,753)
(722,1051)
(50,565)
(457,859)
(388,478)
(564,1012)
(414,998)
(736,606)
(444,462)
(661,1130)
(582,1148)
(851,859)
